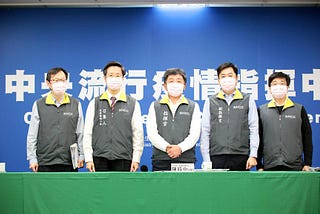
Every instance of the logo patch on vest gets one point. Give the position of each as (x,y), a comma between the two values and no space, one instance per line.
(238,107)
(290,116)
(123,110)
(184,113)
(67,113)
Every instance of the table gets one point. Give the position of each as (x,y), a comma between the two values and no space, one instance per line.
(161,192)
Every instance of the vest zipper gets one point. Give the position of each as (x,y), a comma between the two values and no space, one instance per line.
(228,137)
(280,127)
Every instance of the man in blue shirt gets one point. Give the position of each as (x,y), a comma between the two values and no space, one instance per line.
(56,123)
(229,135)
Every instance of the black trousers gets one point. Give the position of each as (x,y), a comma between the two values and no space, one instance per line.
(163,165)
(56,168)
(231,162)
(280,168)
(103,164)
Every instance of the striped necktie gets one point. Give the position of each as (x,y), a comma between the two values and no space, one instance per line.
(113,102)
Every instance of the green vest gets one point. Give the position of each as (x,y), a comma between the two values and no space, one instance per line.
(282,137)
(174,129)
(57,131)
(112,131)
(229,129)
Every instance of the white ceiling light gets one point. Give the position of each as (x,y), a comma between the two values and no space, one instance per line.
(150,3)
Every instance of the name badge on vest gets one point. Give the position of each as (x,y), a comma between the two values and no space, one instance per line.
(102,117)
(165,118)
(220,114)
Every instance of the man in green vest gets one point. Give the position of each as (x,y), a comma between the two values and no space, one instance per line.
(229,135)
(113,133)
(56,124)
(173,124)
(285,131)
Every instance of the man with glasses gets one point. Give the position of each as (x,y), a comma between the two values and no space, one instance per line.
(56,123)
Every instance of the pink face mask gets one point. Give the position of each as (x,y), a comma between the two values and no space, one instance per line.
(114,83)
(175,89)
(59,88)
(279,91)
(228,84)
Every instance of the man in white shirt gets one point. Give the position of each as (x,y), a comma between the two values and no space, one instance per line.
(173,124)
(113,133)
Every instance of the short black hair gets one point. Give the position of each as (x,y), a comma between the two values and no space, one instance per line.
(174,71)
(279,75)
(227,65)
(54,71)
(114,63)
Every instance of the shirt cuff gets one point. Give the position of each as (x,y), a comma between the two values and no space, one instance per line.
(253,153)
(135,158)
(33,160)
(81,157)
(183,148)
(206,158)
(88,158)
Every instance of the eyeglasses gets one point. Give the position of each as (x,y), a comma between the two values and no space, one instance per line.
(58,80)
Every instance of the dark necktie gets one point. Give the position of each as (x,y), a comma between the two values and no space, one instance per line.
(113,102)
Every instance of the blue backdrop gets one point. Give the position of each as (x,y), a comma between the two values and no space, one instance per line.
(147,41)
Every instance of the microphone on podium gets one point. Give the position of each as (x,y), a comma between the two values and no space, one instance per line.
(144,168)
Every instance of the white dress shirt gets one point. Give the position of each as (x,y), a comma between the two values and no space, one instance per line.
(160,143)
(137,131)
